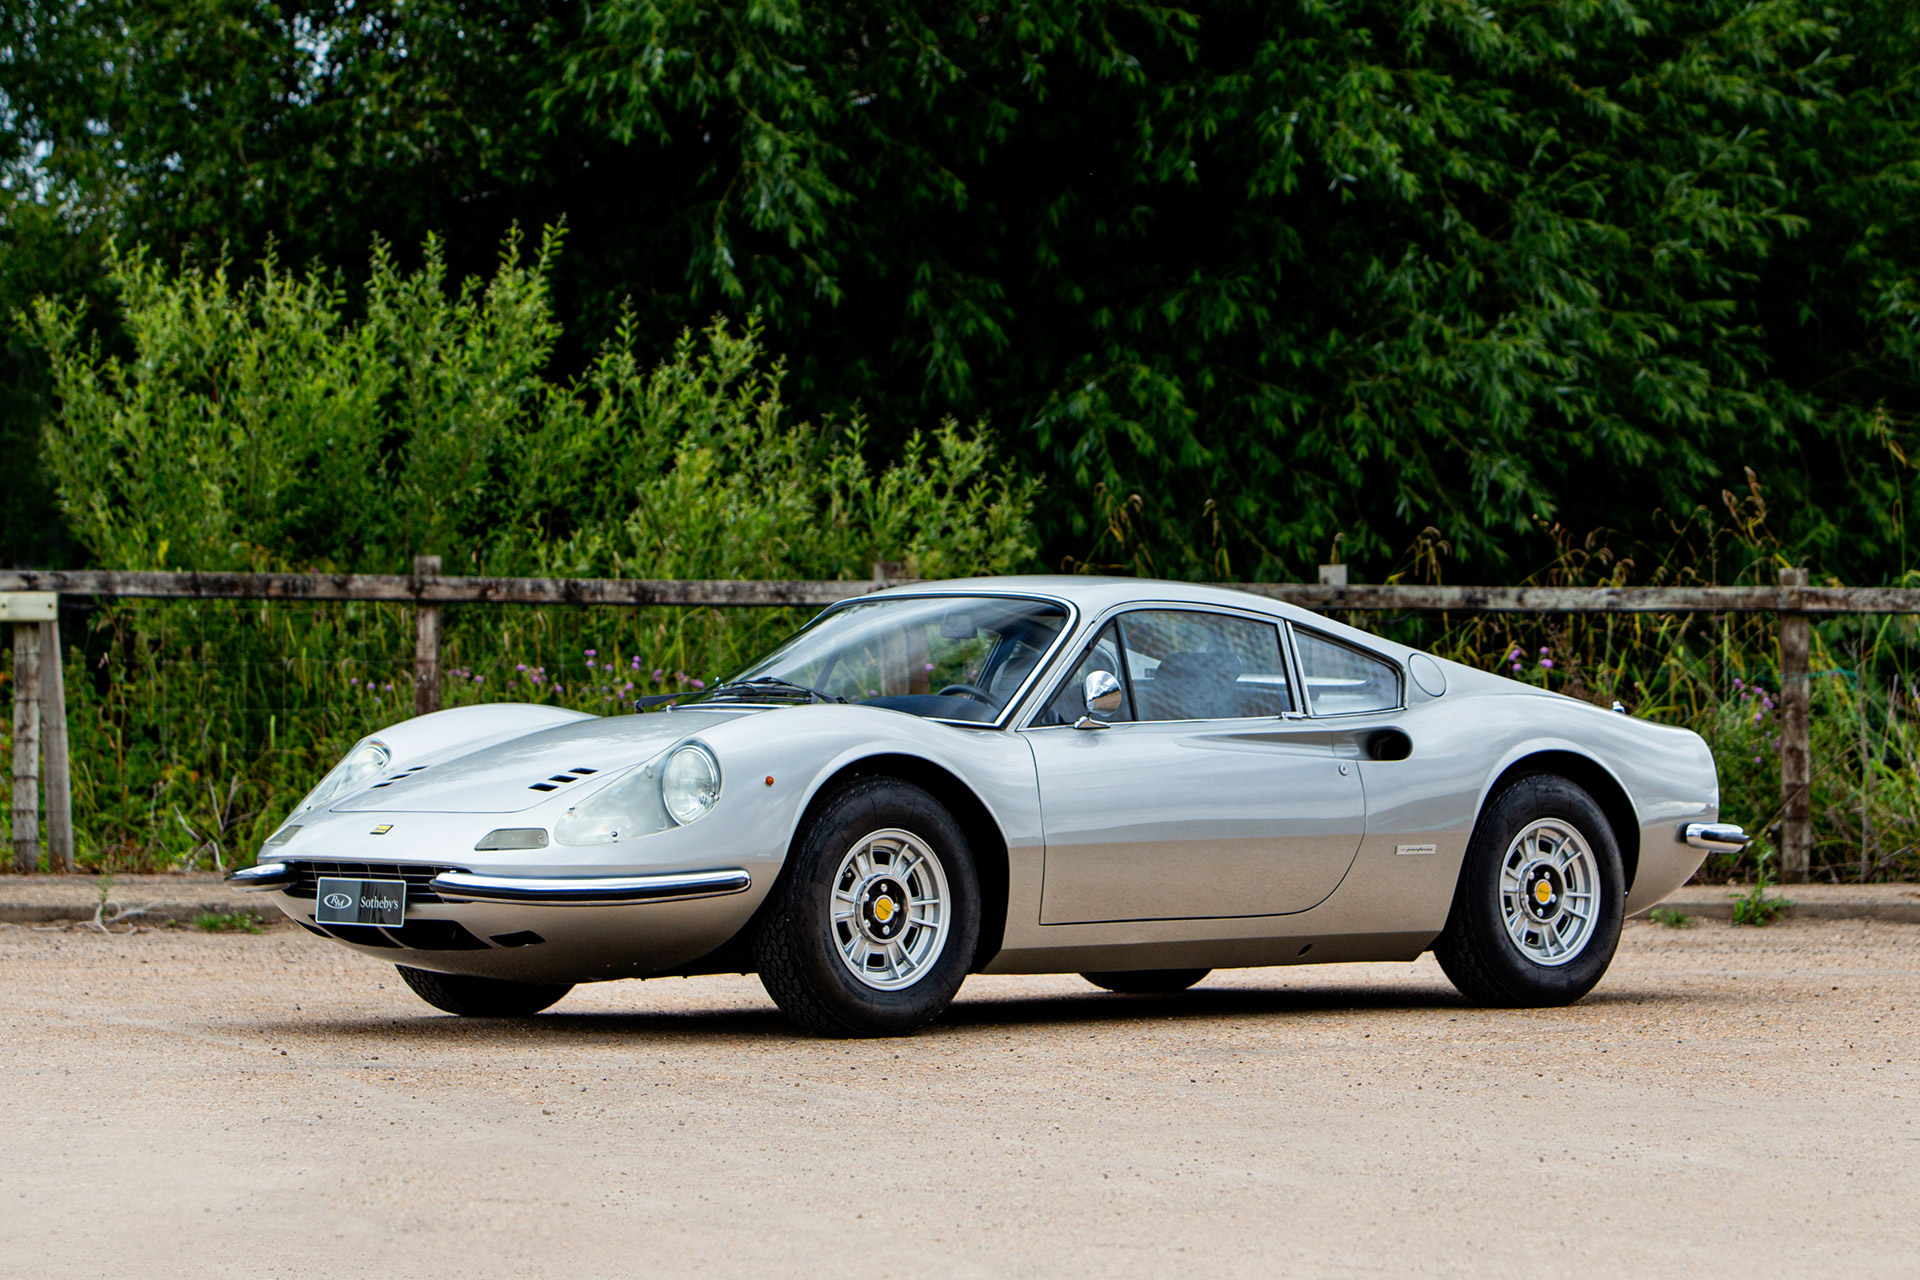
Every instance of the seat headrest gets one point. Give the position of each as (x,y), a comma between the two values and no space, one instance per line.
(1198,665)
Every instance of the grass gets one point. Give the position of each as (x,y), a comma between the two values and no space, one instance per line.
(228,922)
(1671,917)
(1756,907)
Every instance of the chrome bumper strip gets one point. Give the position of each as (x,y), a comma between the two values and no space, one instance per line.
(1715,837)
(468,886)
(267,875)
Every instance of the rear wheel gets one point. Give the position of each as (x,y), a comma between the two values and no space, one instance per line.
(1147,982)
(1538,909)
(481,997)
(871,928)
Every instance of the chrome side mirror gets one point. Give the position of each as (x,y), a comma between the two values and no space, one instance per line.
(1103,696)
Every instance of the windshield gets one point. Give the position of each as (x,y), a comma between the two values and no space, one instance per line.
(948,657)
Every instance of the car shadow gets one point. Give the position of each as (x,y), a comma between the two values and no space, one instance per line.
(968,1015)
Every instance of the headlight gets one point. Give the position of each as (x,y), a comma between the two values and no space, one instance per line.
(670,790)
(690,784)
(363,762)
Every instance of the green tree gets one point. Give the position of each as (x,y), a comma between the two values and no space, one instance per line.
(1285,271)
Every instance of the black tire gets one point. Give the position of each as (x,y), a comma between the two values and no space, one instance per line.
(481,997)
(797,942)
(1147,982)
(1476,950)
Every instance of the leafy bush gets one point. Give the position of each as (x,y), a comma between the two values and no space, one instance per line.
(265,425)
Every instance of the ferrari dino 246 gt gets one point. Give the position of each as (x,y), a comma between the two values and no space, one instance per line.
(1136,781)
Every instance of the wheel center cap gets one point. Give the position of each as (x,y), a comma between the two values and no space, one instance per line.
(883,909)
(1545,891)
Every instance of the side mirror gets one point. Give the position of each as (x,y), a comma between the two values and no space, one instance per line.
(1103,696)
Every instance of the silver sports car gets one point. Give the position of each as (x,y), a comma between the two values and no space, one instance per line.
(1136,781)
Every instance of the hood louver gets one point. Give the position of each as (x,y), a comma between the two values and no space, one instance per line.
(558,780)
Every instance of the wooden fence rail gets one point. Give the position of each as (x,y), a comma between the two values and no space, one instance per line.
(425,588)
(39,700)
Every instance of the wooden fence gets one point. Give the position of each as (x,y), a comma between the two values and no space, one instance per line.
(29,599)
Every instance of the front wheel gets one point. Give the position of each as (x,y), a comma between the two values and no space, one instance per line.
(481,997)
(871,928)
(1537,913)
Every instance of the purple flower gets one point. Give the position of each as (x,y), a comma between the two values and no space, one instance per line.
(593,653)
(1544,651)
(1738,683)
(929,666)
(355,680)
(658,675)
(1514,656)
(699,684)
(521,666)
(1516,668)
(1546,664)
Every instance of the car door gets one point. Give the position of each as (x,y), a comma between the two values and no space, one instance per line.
(1208,795)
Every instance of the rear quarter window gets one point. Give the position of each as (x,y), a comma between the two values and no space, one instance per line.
(1342,680)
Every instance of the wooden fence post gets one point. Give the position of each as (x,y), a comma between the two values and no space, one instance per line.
(26,747)
(426,643)
(53,746)
(1796,733)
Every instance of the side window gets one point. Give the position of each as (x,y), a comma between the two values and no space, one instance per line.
(1342,681)
(1188,665)
(1068,703)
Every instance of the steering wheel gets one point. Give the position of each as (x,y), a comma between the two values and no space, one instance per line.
(979,695)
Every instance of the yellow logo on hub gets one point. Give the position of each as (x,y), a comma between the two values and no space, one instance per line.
(1542,893)
(883,909)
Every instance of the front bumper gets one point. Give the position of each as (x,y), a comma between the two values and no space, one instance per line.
(528,928)
(465,886)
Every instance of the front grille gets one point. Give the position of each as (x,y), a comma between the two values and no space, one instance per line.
(414,935)
(307,876)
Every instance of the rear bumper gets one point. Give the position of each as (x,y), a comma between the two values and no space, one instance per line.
(1714,837)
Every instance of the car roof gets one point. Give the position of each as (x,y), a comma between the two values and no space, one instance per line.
(1095,596)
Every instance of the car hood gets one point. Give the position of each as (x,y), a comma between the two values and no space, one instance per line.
(523,772)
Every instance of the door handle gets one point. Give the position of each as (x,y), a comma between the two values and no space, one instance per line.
(1386,743)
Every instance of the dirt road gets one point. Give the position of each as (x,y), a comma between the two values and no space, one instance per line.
(1730,1102)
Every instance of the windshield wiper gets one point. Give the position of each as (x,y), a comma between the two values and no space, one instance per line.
(754,684)
(773,683)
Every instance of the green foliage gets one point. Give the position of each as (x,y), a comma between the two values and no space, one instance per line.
(228,922)
(1756,907)
(258,425)
(1671,917)
(1285,271)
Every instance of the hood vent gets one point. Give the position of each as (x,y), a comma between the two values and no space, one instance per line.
(559,780)
(398,777)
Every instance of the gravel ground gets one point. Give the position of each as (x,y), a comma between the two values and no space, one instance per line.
(1729,1102)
